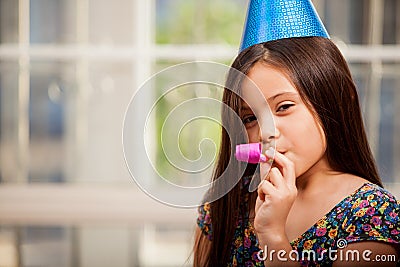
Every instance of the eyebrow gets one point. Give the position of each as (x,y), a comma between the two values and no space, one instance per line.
(245,107)
(282,94)
(272,98)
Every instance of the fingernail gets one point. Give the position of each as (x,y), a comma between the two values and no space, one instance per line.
(270,152)
(263,158)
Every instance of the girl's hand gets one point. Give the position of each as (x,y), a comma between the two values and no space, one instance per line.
(276,195)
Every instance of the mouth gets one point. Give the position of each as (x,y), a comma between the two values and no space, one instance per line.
(285,153)
(282,152)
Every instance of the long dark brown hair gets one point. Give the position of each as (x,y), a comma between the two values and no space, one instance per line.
(322,77)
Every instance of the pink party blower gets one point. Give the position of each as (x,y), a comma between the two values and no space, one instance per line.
(250,153)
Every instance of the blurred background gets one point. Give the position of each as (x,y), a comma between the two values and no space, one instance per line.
(68,69)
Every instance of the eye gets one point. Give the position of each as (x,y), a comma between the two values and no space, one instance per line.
(249,119)
(284,107)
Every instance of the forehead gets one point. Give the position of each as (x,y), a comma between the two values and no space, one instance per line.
(271,83)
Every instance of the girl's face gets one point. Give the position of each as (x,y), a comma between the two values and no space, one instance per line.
(297,134)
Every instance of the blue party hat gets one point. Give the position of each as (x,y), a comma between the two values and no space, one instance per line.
(269,20)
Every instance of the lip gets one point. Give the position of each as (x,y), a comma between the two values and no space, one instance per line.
(284,153)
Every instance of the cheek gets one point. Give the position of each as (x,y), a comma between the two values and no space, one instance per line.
(317,139)
(253,134)
(309,144)
(310,135)
(315,143)
(312,141)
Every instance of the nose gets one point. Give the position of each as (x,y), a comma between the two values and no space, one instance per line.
(268,131)
(268,136)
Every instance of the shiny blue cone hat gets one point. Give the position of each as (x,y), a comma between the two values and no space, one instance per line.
(269,20)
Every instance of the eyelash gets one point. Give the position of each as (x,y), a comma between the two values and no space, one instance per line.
(249,119)
(287,106)
(252,117)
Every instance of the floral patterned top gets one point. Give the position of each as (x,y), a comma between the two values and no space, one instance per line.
(369,213)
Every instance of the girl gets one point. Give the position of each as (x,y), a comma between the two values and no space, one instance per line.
(322,202)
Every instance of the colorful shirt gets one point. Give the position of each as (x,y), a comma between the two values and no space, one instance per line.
(370,213)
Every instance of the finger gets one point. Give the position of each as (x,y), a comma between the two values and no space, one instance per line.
(265,188)
(287,167)
(258,204)
(276,178)
(260,193)
(264,169)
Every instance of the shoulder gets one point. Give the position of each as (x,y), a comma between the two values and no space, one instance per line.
(372,214)
(371,195)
